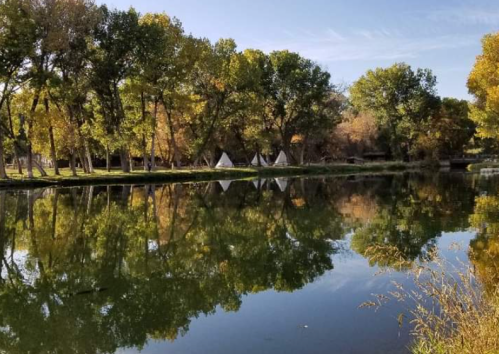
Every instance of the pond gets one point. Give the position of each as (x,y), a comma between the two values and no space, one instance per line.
(268,266)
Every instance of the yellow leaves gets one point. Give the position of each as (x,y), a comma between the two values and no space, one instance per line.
(483,83)
(297,139)
(161,19)
(299,202)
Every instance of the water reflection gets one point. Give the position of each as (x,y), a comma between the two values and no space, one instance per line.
(94,269)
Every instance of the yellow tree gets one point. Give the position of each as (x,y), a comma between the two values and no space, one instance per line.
(483,83)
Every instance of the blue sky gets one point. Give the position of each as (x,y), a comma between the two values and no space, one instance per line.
(347,37)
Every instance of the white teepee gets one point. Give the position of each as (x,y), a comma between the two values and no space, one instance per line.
(254,162)
(225,185)
(224,162)
(282,183)
(282,159)
(259,183)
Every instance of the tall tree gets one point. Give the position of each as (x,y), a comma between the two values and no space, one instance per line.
(166,58)
(483,84)
(297,94)
(217,78)
(401,100)
(112,62)
(71,88)
(17,37)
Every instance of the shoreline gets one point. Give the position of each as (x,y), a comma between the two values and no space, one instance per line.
(101,177)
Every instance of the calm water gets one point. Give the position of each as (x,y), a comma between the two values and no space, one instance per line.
(242,267)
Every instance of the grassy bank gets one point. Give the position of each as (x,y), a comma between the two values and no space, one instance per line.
(478,166)
(163,175)
(452,306)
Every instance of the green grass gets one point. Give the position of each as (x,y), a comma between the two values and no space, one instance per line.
(101,176)
(478,166)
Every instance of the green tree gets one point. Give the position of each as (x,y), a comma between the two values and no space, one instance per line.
(113,60)
(69,90)
(447,133)
(17,39)
(401,100)
(298,97)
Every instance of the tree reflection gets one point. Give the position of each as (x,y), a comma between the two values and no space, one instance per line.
(411,213)
(485,247)
(94,269)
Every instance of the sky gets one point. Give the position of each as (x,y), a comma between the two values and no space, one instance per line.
(347,37)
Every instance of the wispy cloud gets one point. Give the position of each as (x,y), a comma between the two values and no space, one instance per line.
(466,16)
(330,45)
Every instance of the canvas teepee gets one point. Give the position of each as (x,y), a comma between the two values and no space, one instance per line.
(224,162)
(254,162)
(282,183)
(259,183)
(282,159)
(225,185)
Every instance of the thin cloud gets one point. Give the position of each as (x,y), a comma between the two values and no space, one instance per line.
(330,45)
(466,16)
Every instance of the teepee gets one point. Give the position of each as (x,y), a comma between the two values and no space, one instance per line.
(225,185)
(224,162)
(259,183)
(282,159)
(282,183)
(254,162)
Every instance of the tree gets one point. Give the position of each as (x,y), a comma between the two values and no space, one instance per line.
(298,97)
(447,132)
(216,80)
(113,61)
(168,69)
(70,89)
(400,99)
(483,84)
(17,39)
(356,134)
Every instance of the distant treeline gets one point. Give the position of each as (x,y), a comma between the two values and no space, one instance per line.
(84,83)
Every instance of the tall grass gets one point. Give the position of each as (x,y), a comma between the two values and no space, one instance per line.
(452,309)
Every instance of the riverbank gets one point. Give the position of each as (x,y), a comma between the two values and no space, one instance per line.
(479,166)
(184,175)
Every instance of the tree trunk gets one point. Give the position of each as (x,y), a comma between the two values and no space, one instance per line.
(125,166)
(51,138)
(144,140)
(3,172)
(29,137)
(18,161)
(302,150)
(169,123)
(108,159)
(72,163)
(83,161)
(153,151)
(29,164)
(13,135)
(176,155)
(39,168)
(89,157)
(153,139)
(52,151)
(144,153)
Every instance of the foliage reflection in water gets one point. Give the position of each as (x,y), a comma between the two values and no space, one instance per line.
(95,269)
